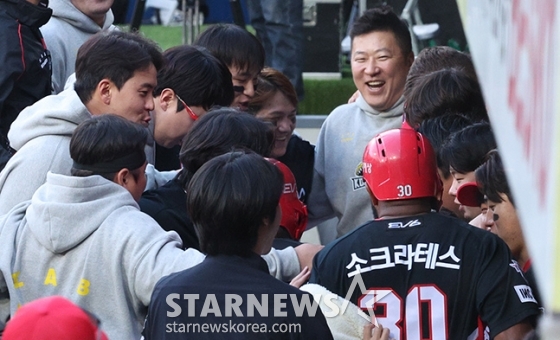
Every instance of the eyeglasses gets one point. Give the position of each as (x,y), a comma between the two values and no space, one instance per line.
(240,88)
(189,110)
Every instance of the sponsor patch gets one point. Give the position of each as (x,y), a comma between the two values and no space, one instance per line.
(399,225)
(358,183)
(525,293)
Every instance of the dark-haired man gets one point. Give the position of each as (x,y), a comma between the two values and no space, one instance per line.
(463,152)
(423,274)
(189,84)
(115,72)
(491,181)
(437,130)
(223,290)
(380,58)
(243,54)
(214,134)
(447,90)
(83,236)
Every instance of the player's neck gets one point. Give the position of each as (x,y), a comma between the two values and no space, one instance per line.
(522,257)
(404,208)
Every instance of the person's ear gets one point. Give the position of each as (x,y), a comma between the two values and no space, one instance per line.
(265,223)
(410,58)
(104,90)
(439,196)
(268,223)
(167,99)
(123,178)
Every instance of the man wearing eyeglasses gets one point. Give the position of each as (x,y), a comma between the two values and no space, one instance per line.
(191,82)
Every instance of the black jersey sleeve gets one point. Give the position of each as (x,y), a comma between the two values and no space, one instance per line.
(504,298)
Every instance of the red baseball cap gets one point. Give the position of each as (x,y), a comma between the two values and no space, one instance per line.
(53,317)
(469,195)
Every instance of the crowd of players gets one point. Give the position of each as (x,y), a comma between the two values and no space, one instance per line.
(180,173)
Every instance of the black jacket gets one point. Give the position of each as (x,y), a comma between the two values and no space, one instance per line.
(168,206)
(218,277)
(25,63)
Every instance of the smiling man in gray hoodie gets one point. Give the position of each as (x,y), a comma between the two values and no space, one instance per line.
(380,59)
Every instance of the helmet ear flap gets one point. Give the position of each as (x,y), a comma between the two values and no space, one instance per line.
(294,212)
(374,199)
(401,164)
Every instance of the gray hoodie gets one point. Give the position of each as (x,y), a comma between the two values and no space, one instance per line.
(86,239)
(338,188)
(64,33)
(41,135)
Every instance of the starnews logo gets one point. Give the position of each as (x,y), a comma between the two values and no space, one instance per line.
(251,305)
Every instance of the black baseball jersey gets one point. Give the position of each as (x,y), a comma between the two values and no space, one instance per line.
(427,277)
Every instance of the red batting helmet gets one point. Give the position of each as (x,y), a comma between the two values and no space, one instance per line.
(294,212)
(53,317)
(400,164)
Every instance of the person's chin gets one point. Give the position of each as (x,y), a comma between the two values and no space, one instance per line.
(242,106)
(278,151)
(375,102)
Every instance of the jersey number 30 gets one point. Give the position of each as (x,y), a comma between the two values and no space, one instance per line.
(405,318)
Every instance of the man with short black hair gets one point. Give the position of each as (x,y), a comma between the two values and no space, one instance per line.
(491,181)
(243,54)
(84,237)
(115,72)
(464,151)
(238,181)
(380,58)
(437,130)
(190,83)
(441,92)
(423,274)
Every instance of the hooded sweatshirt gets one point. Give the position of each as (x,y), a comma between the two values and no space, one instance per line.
(65,32)
(85,238)
(41,135)
(338,188)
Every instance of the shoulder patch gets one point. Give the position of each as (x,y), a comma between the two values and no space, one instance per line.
(525,293)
